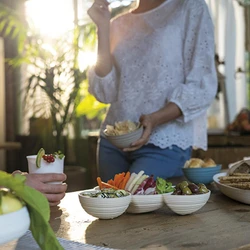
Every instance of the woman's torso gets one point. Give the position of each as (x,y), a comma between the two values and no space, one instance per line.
(148,54)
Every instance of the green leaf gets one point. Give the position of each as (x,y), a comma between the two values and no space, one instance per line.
(38,207)
(90,107)
(163,186)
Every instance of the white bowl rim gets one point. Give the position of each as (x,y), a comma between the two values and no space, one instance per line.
(147,195)
(191,195)
(96,190)
(140,127)
(14,212)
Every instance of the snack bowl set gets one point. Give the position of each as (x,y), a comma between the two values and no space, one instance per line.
(201,175)
(103,208)
(147,194)
(137,204)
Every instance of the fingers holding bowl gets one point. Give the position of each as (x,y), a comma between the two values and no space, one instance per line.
(124,140)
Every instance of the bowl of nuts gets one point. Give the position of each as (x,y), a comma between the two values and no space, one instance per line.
(187,198)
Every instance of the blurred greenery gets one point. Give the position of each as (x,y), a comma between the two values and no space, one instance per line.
(55,89)
(55,85)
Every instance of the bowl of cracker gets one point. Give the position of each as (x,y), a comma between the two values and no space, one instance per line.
(235,183)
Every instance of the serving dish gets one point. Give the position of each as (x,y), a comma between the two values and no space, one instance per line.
(237,194)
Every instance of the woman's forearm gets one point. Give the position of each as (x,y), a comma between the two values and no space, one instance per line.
(166,114)
(104,62)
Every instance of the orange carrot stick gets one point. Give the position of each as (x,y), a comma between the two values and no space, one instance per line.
(125,180)
(99,182)
(120,184)
(111,182)
(116,179)
(120,179)
(106,185)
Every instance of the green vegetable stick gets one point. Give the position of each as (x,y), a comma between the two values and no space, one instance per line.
(38,207)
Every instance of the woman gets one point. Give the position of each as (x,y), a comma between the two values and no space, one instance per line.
(156,65)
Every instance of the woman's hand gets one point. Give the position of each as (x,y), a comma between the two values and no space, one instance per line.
(148,125)
(166,114)
(99,12)
(53,192)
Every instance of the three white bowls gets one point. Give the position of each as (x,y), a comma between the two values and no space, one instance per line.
(103,208)
(186,204)
(14,225)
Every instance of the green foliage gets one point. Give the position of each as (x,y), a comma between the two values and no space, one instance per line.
(12,25)
(55,87)
(52,89)
(89,106)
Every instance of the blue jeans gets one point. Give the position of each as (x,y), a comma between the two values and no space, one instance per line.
(165,163)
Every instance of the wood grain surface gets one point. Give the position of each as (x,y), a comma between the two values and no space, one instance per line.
(221,224)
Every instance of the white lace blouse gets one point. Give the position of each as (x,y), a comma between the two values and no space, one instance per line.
(160,56)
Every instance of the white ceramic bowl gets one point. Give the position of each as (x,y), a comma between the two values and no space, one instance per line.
(104,208)
(125,141)
(186,204)
(145,203)
(237,194)
(14,225)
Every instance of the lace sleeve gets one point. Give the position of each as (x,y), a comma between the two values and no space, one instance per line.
(196,94)
(104,89)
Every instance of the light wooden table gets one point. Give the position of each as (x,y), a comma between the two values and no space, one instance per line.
(221,224)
